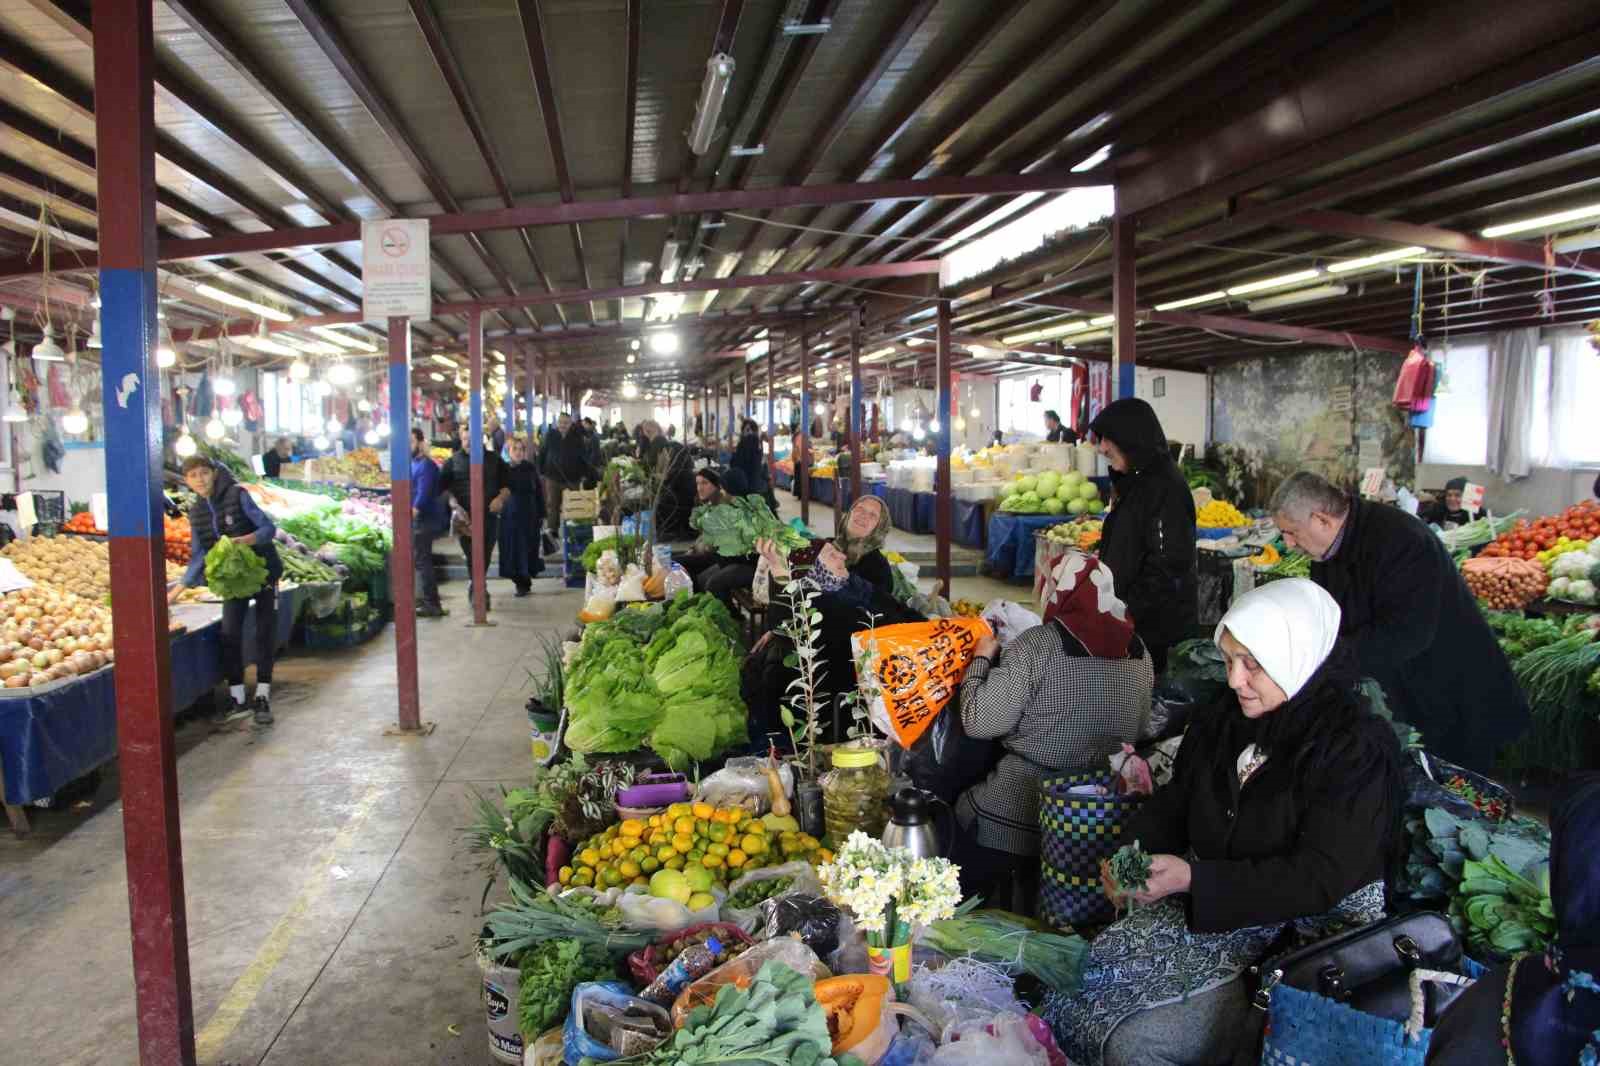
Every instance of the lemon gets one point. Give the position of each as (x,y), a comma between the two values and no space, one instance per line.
(589,857)
(682,843)
(754,844)
(674,863)
(665,852)
(584,876)
(717,849)
(683,825)
(565,875)
(632,827)
(612,876)
(630,869)
(712,862)
(703,811)
(737,858)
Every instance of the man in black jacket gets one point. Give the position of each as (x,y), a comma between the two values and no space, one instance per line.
(455,481)
(1148,537)
(1413,623)
(551,459)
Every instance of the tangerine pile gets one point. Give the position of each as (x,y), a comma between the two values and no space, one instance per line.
(727,841)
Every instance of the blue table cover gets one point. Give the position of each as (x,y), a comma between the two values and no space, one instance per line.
(911,511)
(968,526)
(783,480)
(1011,543)
(52,738)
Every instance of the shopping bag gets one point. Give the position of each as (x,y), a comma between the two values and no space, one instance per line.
(1080,823)
(912,669)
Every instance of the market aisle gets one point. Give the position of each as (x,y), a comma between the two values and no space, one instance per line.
(331,904)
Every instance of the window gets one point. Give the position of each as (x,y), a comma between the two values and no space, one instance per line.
(1460,433)
(1574,376)
(1020,413)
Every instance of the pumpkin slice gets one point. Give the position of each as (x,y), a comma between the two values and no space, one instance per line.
(854,1005)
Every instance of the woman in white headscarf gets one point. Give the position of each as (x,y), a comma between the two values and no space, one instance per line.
(1283,813)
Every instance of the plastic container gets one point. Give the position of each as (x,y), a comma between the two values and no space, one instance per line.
(692,964)
(855,794)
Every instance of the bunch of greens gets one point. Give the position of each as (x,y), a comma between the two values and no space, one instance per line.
(315,488)
(1016,943)
(549,973)
(1130,870)
(513,837)
(534,916)
(622,544)
(1456,858)
(732,529)
(625,470)
(776,1020)
(220,455)
(234,571)
(1519,635)
(1198,659)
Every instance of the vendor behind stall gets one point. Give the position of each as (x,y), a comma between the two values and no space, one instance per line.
(273,459)
(1447,512)
(223,509)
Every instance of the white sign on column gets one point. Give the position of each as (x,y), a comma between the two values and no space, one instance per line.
(395,276)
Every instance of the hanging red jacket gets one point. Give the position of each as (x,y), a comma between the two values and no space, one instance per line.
(1415,384)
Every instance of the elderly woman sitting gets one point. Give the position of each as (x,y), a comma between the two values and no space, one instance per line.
(1283,815)
(1062,697)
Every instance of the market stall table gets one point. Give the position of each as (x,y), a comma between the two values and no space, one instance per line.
(1011,547)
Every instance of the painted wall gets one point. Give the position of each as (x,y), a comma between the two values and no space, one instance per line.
(1326,410)
(1182,405)
(1545,491)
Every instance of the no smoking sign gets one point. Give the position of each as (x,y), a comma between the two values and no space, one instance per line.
(396,280)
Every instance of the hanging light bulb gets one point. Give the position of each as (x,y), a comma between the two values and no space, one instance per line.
(321,443)
(630,360)
(908,425)
(341,374)
(299,370)
(75,421)
(224,385)
(215,430)
(232,417)
(47,350)
(320,388)
(95,338)
(370,437)
(184,446)
(959,425)
(364,406)
(166,356)
(334,425)
(933,427)
(383,430)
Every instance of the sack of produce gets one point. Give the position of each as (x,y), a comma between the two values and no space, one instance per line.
(743,906)
(644,910)
(646,964)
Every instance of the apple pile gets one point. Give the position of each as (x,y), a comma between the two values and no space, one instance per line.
(1052,493)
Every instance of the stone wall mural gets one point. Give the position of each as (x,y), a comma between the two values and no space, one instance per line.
(1326,410)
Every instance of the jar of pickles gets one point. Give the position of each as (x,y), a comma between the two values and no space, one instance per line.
(855,793)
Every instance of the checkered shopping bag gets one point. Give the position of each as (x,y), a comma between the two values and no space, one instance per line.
(1078,828)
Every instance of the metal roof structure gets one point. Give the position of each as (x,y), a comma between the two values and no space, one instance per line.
(1246,139)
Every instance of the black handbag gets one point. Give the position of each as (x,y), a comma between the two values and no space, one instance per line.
(1367,969)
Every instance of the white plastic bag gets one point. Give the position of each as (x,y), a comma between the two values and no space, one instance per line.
(1010,1043)
(1008,620)
(741,783)
(631,588)
(644,911)
(750,918)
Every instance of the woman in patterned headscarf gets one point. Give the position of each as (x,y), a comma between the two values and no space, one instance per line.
(1061,697)
(1283,813)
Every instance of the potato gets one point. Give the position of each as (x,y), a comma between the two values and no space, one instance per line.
(17,681)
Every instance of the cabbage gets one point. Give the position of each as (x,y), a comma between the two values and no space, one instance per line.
(1581,590)
(1027,483)
(1066,492)
(1095,506)
(1089,490)
(1047,483)
(1073,478)
(1078,506)
(1558,587)
(1054,506)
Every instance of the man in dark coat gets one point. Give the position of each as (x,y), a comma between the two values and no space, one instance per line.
(1148,537)
(455,483)
(552,466)
(1414,625)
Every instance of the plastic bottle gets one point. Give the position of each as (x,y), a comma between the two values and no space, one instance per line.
(694,963)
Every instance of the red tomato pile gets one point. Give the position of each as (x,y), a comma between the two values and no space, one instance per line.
(1526,540)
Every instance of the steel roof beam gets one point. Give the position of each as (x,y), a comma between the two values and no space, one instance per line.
(1439,239)
(1250,326)
(445,60)
(634,17)
(532,19)
(330,40)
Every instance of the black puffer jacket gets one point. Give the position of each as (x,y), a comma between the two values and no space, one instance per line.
(1148,538)
(1318,820)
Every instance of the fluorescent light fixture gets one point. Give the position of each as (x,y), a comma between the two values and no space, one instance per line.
(1060,330)
(1101,154)
(1093,335)
(235,300)
(756,350)
(299,370)
(1299,296)
(1579,242)
(224,385)
(75,421)
(1103,320)
(796,28)
(1191,301)
(262,344)
(343,339)
(445,360)
(435,375)
(669,265)
(215,430)
(232,417)
(708,108)
(1380,258)
(1274,282)
(665,343)
(184,446)
(1544,222)
(756,149)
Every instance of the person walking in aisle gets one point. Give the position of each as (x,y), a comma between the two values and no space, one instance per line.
(456,482)
(551,460)
(1055,432)
(223,509)
(520,522)
(430,518)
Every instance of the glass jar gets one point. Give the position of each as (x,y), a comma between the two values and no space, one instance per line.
(855,794)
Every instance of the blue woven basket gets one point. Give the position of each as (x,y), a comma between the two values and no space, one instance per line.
(1305,1029)
(1076,833)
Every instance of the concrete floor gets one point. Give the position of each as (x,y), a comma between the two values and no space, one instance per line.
(331,904)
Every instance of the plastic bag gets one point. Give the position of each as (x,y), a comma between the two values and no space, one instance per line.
(631,587)
(814,919)
(644,911)
(645,965)
(1008,620)
(751,918)
(916,667)
(741,783)
(577,1043)
(741,971)
(1003,1038)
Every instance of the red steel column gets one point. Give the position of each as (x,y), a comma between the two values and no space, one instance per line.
(802,462)
(125,139)
(480,550)
(773,349)
(1124,254)
(402,571)
(941,472)
(858,487)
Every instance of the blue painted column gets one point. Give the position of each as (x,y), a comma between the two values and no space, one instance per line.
(125,138)
(480,550)
(402,587)
(802,456)
(943,524)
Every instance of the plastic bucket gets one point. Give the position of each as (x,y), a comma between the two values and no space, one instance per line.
(500,993)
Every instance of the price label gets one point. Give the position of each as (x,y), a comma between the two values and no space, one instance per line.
(1372,481)
(1472,497)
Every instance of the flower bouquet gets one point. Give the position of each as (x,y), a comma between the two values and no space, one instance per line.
(888,890)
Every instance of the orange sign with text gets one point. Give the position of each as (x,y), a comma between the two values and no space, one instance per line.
(916,667)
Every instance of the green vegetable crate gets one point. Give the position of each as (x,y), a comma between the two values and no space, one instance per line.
(348,626)
(575,536)
(376,587)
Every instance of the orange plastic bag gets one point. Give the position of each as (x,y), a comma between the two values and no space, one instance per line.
(915,668)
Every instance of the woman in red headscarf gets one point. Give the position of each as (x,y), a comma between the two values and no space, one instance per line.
(1062,697)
